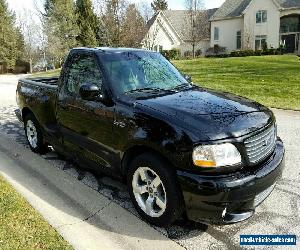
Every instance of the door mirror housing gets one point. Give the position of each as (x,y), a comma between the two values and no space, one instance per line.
(90,92)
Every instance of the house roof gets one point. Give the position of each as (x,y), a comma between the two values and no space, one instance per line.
(231,8)
(286,4)
(235,8)
(178,20)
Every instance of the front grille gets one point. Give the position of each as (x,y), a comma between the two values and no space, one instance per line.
(260,146)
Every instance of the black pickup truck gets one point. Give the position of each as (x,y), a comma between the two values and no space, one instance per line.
(183,149)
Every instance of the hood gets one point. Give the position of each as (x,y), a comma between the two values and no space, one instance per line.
(211,115)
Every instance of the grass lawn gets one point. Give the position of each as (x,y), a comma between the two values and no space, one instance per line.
(21,227)
(49,73)
(271,80)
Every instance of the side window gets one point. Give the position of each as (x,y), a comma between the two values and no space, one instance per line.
(261,16)
(216,33)
(83,69)
(238,39)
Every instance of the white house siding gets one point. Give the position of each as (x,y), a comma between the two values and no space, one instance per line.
(203,45)
(228,29)
(161,34)
(270,28)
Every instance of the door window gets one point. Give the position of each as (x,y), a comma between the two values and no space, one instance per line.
(82,70)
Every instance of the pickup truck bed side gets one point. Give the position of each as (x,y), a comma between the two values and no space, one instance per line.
(39,96)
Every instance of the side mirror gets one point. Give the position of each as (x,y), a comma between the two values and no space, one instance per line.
(188,78)
(90,92)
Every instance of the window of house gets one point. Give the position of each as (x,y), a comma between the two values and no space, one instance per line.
(238,40)
(261,16)
(260,42)
(216,33)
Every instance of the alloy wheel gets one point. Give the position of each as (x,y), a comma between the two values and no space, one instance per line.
(31,134)
(149,192)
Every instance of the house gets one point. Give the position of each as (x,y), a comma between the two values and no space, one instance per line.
(171,29)
(255,24)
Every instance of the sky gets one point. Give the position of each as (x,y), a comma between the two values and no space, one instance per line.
(18,5)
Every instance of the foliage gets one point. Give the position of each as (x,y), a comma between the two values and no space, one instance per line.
(88,24)
(11,39)
(133,28)
(198,52)
(158,5)
(21,67)
(188,54)
(60,26)
(217,56)
(243,53)
(173,54)
(113,17)
(197,26)
(216,50)
(254,77)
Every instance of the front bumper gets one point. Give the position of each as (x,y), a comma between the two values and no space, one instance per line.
(231,198)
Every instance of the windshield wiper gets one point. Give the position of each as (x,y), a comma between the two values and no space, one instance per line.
(181,86)
(145,90)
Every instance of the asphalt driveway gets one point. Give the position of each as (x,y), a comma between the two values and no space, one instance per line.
(279,214)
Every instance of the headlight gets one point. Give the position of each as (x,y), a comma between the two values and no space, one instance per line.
(216,155)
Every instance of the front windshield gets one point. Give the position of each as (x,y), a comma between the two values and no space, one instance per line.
(131,72)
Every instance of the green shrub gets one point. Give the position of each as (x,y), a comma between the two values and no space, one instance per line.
(243,53)
(198,52)
(188,54)
(218,56)
(173,54)
(216,50)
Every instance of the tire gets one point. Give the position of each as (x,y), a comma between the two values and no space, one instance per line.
(157,200)
(34,134)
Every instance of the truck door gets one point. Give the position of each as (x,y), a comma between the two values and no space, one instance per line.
(86,126)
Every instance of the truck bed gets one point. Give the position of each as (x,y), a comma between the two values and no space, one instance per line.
(39,96)
(51,82)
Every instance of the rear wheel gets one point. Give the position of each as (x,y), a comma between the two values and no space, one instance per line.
(154,190)
(34,134)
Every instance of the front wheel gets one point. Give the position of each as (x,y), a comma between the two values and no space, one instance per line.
(34,134)
(154,190)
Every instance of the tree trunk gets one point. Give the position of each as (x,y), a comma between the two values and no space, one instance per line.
(30,65)
(193,50)
(298,44)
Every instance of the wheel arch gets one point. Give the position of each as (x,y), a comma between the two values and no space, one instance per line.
(136,150)
(26,111)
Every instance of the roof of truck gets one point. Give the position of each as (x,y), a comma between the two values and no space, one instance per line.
(111,50)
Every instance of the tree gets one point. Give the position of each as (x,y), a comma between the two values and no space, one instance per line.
(88,24)
(158,5)
(113,17)
(60,26)
(197,23)
(133,28)
(31,32)
(145,10)
(11,39)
